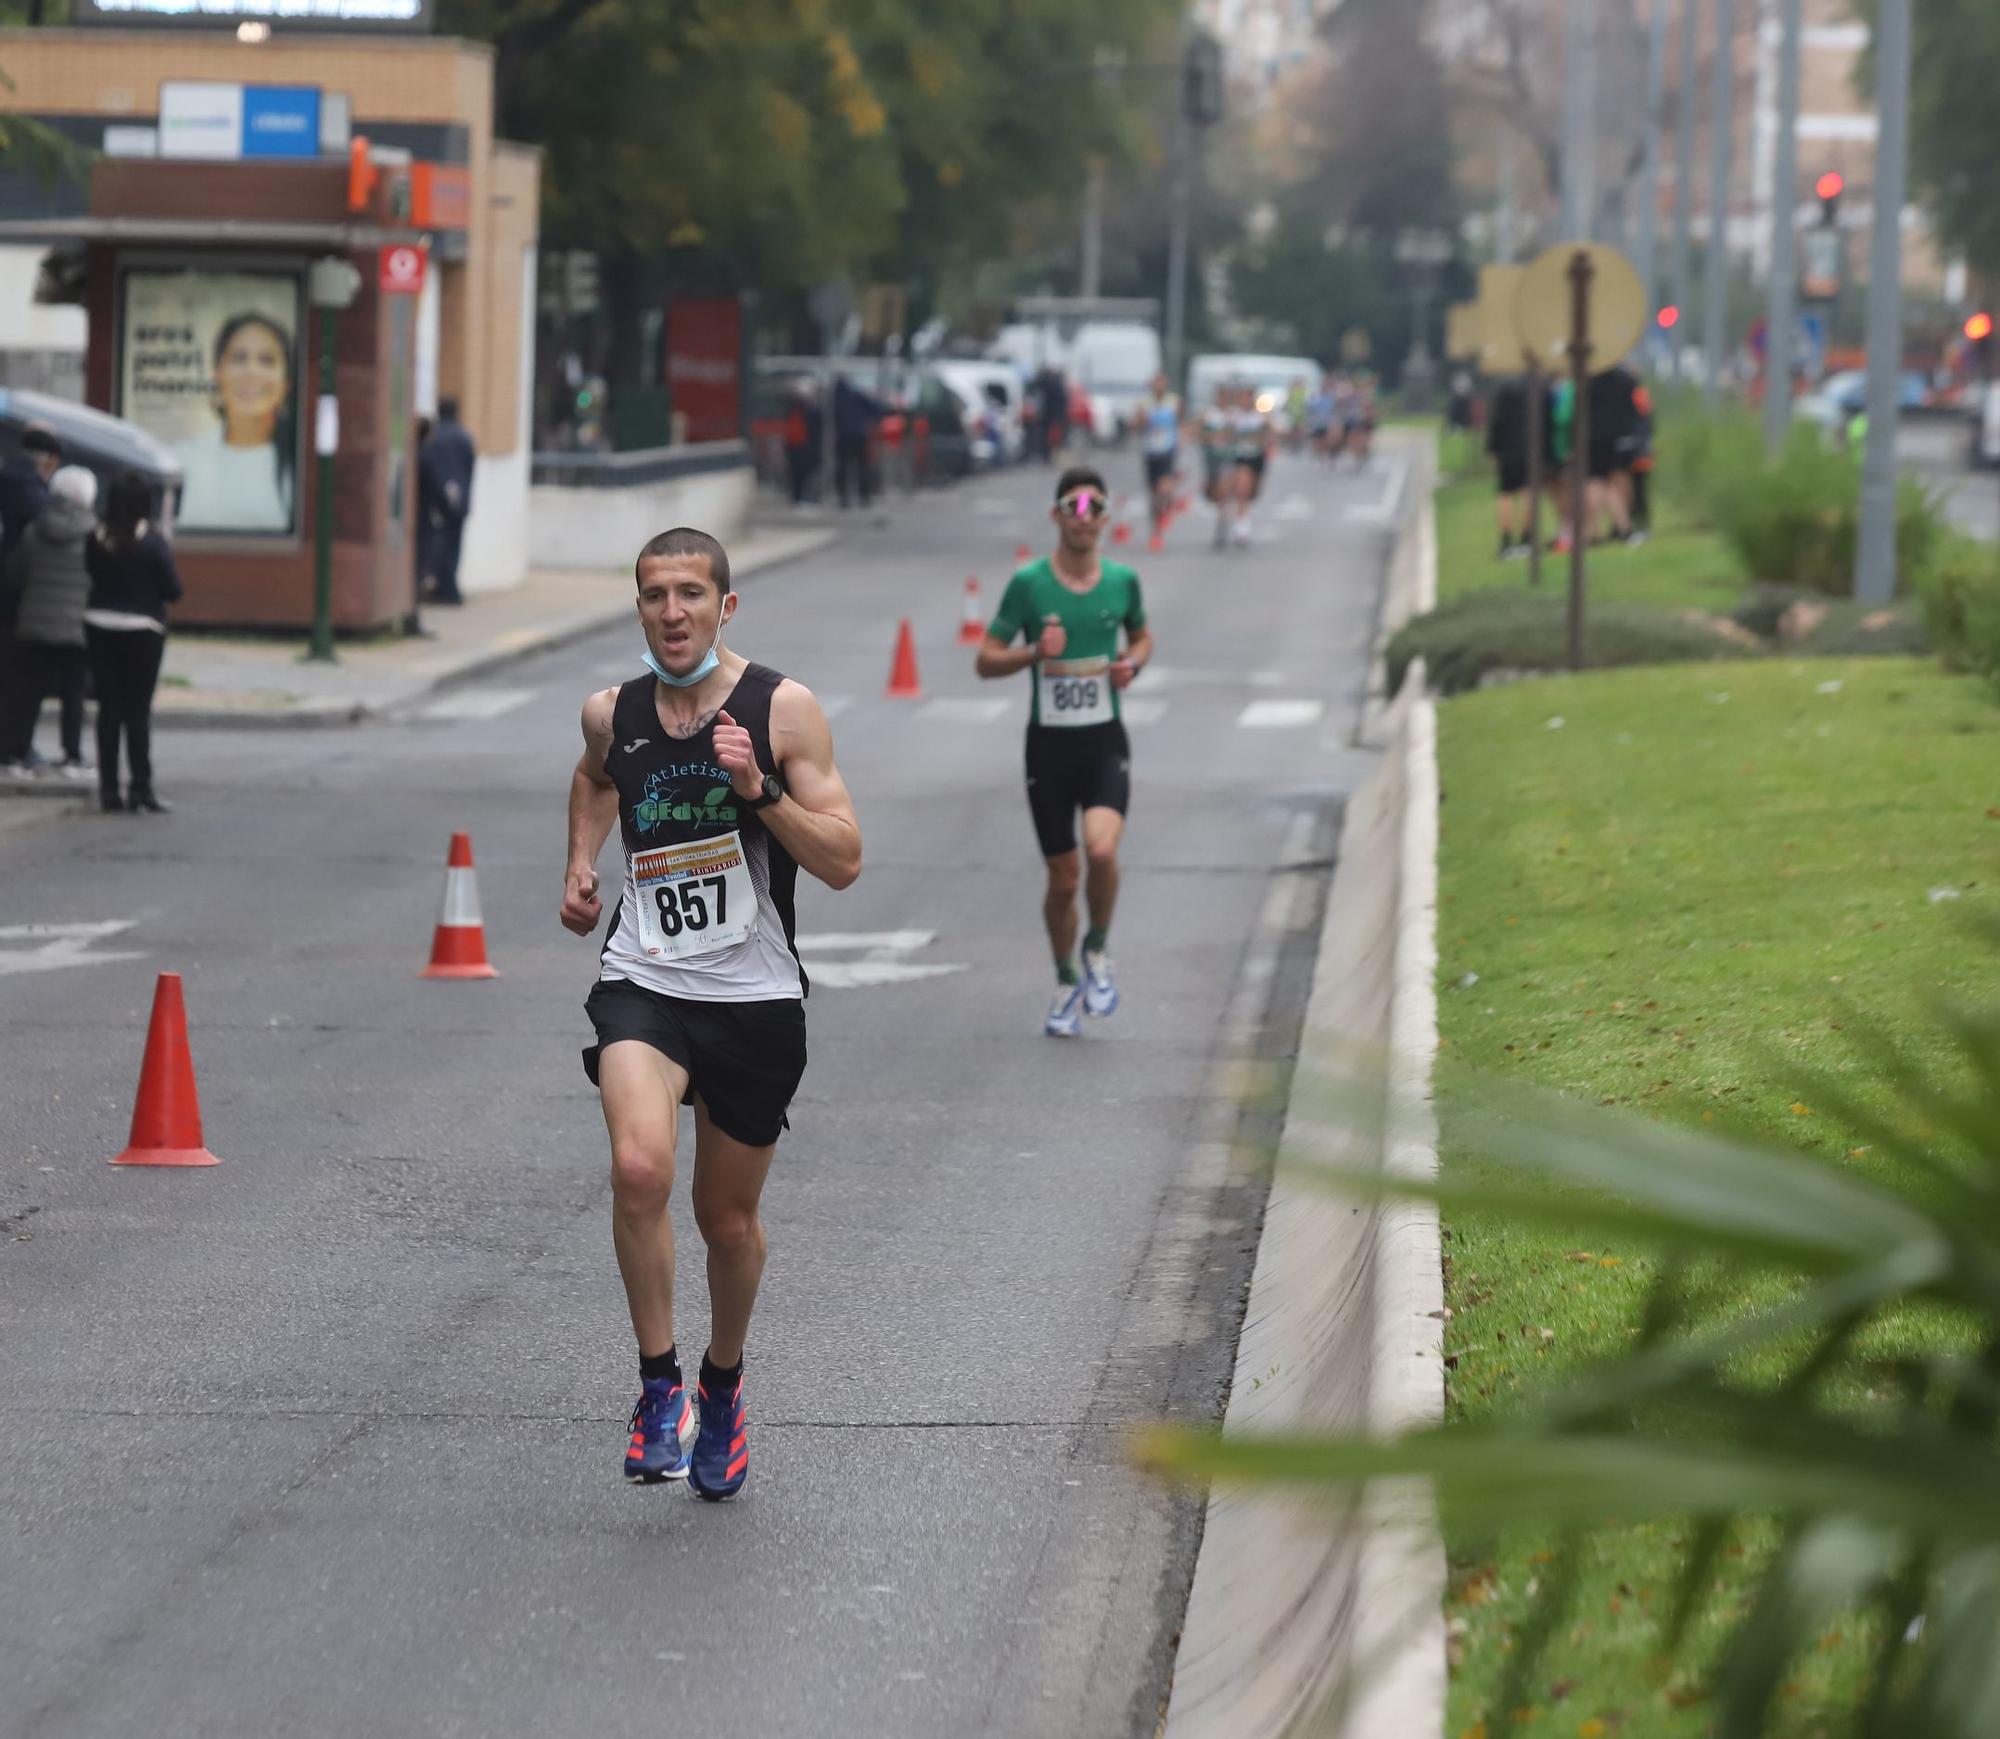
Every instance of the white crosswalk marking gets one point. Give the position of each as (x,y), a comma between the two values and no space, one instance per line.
(1140,713)
(1294,508)
(1277,715)
(964,710)
(476,703)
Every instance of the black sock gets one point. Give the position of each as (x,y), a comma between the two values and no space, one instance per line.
(716,1380)
(654,1366)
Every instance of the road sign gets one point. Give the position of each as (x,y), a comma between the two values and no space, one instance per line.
(1499,344)
(1616,315)
(1822,254)
(1812,336)
(402,269)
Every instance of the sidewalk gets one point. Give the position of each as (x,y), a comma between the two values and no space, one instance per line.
(255,683)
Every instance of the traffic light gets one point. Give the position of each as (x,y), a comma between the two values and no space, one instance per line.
(1829,187)
(1201,80)
(1979,328)
(1668,317)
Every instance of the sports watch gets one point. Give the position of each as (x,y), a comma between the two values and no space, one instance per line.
(774,790)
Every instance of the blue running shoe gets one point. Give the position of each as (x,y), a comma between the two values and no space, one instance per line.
(662,1429)
(1065,1013)
(1100,990)
(721,1460)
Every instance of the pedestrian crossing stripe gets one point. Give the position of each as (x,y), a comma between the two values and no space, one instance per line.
(475,704)
(1273,715)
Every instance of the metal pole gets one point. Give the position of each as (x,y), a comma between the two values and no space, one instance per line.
(321,648)
(1579,195)
(1504,242)
(1538,395)
(1690,75)
(1875,564)
(1781,309)
(1647,238)
(1177,246)
(1581,271)
(1715,309)
(1092,274)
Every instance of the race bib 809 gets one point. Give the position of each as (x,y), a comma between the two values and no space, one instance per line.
(1075,692)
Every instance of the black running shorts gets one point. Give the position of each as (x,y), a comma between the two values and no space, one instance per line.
(1159,467)
(1069,770)
(744,1060)
(1513,473)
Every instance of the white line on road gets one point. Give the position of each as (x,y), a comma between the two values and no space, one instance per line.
(1294,508)
(963,710)
(884,958)
(1382,511)
(1279,715)
(476,703)
(60,946)
(1143,712)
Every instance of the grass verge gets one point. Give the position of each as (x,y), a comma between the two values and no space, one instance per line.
(1673,900)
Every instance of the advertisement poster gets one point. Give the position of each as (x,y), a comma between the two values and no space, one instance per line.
(208,363)
(705,366)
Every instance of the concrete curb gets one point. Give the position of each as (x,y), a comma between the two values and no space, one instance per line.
(1412,587)
(477,663)
(1304,1615)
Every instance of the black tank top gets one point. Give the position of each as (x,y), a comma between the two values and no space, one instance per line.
(672,792)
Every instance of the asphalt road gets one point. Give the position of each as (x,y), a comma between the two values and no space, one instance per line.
(1936,451)
(327,1439)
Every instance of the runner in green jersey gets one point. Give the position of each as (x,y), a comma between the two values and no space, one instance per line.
(1070,612)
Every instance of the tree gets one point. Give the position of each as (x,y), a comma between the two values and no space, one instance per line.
(1955,123)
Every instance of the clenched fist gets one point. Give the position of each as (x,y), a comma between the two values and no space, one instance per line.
(1053,639)
(581,907)
(737,756)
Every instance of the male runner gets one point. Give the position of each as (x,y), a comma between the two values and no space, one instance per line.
(1068,609)
(720,776)
(1159,420)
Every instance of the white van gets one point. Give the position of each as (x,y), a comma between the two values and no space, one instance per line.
(1114,361)
(1272,376)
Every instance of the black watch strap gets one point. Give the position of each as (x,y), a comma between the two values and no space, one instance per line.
(773,792)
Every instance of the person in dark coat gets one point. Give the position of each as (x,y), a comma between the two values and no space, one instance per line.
(855,414)
(132,581)
(24,492)
(445,464)
(47,569)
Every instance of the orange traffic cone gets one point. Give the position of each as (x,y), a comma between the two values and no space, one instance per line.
(1022,553)
(972,625)
(458,949)
(903,683)
(166,1121)
(1121,533)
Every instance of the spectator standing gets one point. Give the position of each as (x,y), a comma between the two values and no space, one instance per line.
(855,414)
(1507,435)
(24,492)
(445,464)
(803,434)
(47,573)
(132,581)
(1052,401)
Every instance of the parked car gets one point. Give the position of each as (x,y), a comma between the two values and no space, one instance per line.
(991,395)
(1842,397)
(97,441)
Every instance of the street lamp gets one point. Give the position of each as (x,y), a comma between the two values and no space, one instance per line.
(331,285)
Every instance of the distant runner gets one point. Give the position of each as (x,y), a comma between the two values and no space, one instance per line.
(1159,419)
(720,775)
(1069,610)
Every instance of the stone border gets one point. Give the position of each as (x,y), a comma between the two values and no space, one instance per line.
(1301,1607)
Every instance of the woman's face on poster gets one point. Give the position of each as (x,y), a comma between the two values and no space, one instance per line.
(251,377)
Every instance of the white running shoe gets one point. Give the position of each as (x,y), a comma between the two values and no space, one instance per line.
(1065,1013)
(1243,533)
(1100,991)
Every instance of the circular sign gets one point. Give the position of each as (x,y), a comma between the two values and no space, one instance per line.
(1615,305)
(403,268)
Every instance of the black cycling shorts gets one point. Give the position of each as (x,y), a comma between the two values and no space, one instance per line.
(1159,467)
(1069,770)
(744,1060)
(1513,473)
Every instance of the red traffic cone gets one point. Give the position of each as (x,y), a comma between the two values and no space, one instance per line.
(1022,553)
(458,949)
(1121,533)
(971,625)
(903,683)
(166,1120)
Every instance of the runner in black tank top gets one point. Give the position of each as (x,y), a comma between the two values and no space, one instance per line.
(720,776)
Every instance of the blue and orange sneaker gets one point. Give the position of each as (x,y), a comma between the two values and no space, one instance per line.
(721,1460)
(663,1428)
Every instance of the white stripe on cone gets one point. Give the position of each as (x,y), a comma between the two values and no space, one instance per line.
(461,901)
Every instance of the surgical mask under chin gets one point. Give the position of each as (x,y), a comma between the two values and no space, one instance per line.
(695,675)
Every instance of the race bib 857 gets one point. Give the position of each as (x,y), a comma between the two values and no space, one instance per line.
(695,898)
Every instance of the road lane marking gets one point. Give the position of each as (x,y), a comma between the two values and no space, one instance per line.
(1143,712)
(1294,508)
(884,958)
(52,947)
(1279,715)
(476,703)
(964,710)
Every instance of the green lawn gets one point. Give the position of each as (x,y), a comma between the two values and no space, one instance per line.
(1681,565)
(1677,886)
